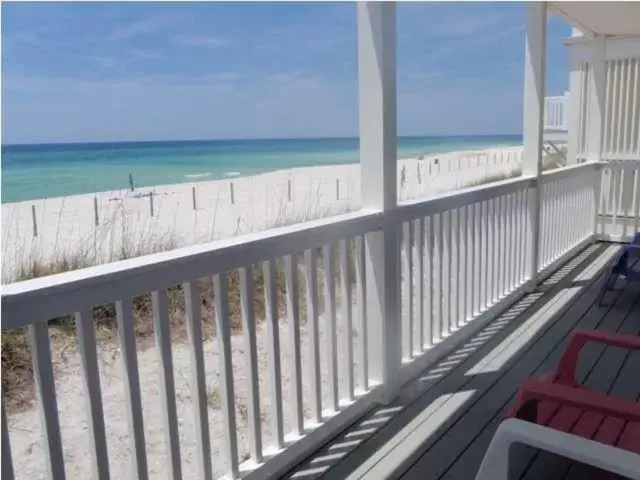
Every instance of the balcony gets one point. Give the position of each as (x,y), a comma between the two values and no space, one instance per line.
(319,361)
(556,112)
(556,118)
(379,343)
(442,422)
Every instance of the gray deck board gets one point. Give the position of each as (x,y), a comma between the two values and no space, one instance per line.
(477,425)
(599,367)
(441,424)
(470,459)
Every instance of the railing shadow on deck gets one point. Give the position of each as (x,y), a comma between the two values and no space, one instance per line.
(395,422)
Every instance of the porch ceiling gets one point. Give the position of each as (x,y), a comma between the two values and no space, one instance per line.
(601,18)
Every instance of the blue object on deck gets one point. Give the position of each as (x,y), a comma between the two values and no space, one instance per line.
(622,267)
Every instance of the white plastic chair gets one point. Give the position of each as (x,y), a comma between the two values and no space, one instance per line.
(495,465)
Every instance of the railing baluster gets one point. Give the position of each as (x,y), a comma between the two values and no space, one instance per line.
(519,237)
(198,382)
(245,275)
(468,263)
(549,225)
(486,249)
(627,211)
(407,323)
(448,319)
(543,237)
(330,311)
(223,337)
(620,192)
(455,270)
(476,257)
(557,229)
(85,331)
(508,232)
(578,219)
(438,333)
(124,320)
(168,393)
(568,192)
(362,301)
(7,460)
(311,282)
(615,174)
(502,270)
(293,309)
(430,275)
(347,314)
(569,226)
(419,245)
(634,201)
(46,395)
(273,329)
(494,250)
(518,244)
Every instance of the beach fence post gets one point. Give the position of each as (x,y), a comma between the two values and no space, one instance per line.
(337,189)
(289,189)
(419,174)
(151,203)
(233,199)
(33,217)
(95,211)
(193,197)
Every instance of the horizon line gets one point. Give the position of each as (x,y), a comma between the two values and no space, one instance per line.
(102,142)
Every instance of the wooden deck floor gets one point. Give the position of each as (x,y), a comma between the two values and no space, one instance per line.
(441,424)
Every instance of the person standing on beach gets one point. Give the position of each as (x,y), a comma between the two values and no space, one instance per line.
(131,182)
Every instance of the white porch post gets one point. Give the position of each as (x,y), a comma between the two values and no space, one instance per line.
(378,170)
(532,130)
(597,92)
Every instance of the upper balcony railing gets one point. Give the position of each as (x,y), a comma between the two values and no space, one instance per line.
(556,112)
(464,256)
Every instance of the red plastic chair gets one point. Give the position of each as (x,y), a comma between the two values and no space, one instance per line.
(558,401)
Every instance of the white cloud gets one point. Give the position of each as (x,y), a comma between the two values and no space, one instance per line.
(200,41)
(147,54)
(425,75)
(105,62)
(141,27)
(170,108)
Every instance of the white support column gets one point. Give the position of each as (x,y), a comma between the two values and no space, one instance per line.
(532,130)
(378,170)
(597,93)
(574,107)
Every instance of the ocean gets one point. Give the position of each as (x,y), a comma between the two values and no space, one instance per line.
(40,171)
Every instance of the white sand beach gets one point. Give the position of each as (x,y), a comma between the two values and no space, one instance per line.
(67,225)
(99,227)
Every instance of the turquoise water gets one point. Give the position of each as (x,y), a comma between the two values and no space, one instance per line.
(39,171)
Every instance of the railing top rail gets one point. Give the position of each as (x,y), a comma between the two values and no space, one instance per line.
(621,163)
(571,170)
(411,210)
(44,298)
(556,98)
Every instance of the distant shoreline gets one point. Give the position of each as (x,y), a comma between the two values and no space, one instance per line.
(37,172)
(197,180)
(232,140)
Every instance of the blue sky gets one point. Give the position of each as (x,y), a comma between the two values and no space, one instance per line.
(74,72)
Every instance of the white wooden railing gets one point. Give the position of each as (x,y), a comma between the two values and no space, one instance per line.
(556,112)
(619,200)
(465,256)
(568,210)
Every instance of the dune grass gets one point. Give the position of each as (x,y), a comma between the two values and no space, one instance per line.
(17,378)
